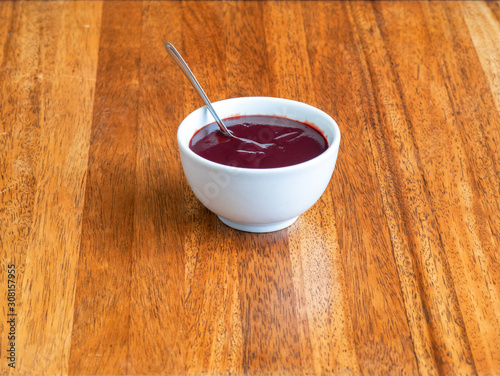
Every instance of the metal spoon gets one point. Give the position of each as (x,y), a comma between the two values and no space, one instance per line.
(184,67)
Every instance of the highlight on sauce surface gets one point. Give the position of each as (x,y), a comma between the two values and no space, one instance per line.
(262,141)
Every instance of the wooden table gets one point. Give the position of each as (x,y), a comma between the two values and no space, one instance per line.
(116,268)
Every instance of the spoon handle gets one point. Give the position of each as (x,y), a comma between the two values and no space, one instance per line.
(184,67)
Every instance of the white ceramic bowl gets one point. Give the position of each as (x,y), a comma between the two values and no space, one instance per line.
(258,200)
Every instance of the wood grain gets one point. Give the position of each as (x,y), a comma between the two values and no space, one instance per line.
(48,72)
(104,271)
(157,290)
(121,270)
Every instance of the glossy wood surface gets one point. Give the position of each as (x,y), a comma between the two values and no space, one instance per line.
(120,270)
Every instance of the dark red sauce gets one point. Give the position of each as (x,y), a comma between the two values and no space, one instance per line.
(263,142)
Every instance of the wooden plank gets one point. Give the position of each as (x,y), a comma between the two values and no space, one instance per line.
(247,63)
(419,251)
(50,82)
(290,69)
(157,329)
(19,147)
(475,125)
(102,319)
(484,30)
(368,269)
(6,29)
(424,133)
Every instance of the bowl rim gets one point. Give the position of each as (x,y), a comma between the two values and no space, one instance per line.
(332,147)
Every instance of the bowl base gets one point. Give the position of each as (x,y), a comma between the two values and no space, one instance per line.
(269,227)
